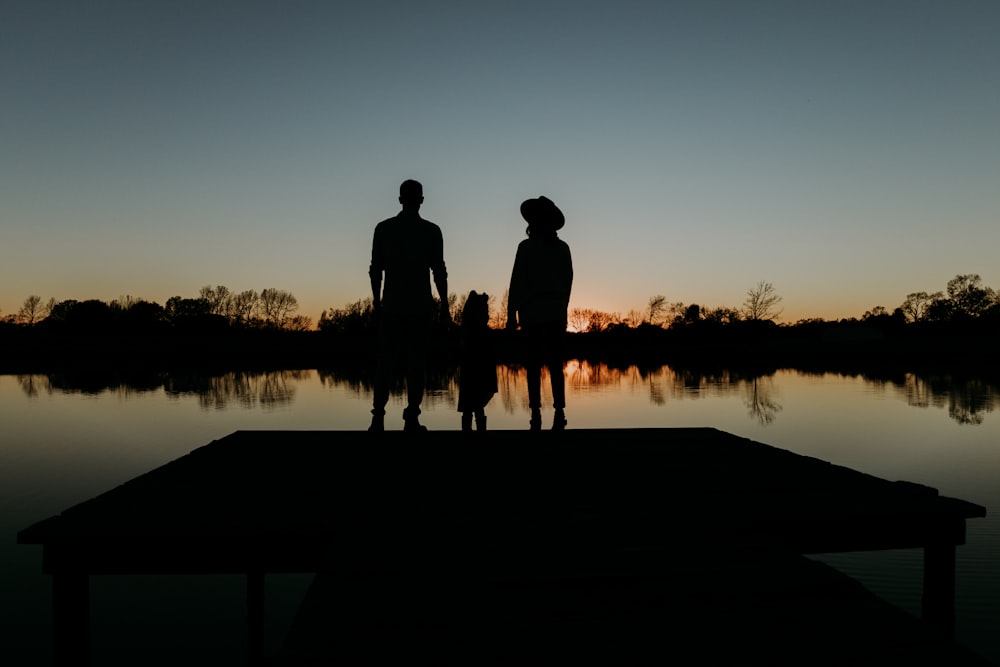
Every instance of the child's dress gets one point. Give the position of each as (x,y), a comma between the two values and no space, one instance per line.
(478,374)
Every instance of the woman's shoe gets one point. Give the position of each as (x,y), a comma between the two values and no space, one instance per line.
(378,422)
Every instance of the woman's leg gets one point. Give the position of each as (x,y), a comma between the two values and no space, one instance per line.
(554,359)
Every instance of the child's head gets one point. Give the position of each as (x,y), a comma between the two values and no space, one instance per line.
(476,312)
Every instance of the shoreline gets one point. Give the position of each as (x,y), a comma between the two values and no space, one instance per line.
(974,355)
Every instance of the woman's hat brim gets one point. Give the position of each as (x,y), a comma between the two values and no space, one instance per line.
(542,213)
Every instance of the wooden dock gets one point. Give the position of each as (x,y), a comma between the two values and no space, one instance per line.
(588,547)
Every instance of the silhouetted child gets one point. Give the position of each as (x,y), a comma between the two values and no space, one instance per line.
(478,373)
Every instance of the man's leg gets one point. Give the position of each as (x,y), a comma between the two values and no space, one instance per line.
(418,335)
(388,349)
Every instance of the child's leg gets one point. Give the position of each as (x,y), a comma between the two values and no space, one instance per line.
(467,421)
(481,419)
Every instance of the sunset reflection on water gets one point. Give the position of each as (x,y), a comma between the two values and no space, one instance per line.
(68,438)
(598,386)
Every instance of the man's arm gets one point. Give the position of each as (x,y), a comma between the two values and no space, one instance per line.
(441,276)
(376,278)
(375,272)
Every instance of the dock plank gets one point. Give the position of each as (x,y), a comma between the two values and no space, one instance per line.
(595,545)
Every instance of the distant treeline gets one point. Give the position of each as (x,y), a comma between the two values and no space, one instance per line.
(215,309)
(966,305)
(957,327)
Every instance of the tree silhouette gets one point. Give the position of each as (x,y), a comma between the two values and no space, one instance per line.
(276,307)
(721,315)
(355,319)
(498,311)
(32,310)
(761,303)
(657,310)
(916,305)
(969,297)
(243,307)
(220,300)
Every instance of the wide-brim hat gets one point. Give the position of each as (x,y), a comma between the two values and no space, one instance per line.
(541,213)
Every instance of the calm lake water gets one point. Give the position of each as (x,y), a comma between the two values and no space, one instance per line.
(66,439)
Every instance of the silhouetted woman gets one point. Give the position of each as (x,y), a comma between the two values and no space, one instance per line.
(538,300)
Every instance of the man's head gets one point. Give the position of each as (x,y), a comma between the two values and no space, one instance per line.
(411,194)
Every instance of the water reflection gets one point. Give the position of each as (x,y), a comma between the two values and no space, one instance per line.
(663,384)
(760,399)
(966,400)
(122,385)
(244,389)
(248,390)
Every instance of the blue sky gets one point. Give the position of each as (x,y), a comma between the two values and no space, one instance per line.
(847,152)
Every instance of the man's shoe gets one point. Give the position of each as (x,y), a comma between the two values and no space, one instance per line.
(413,426)
(559,420)
(535,424)
(410,423)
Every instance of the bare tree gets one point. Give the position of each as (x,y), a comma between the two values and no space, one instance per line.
(916,304)
(220,299)
(657,309)
(578,319)
(498,311)
(761,303)
(298,323)
(125,302)
(456,305)
(31,310)
(600,320)
(633,318)
(277,306)
(244,306)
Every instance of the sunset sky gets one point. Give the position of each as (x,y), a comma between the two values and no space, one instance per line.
(846,151)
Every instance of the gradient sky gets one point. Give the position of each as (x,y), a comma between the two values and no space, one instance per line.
(846,151)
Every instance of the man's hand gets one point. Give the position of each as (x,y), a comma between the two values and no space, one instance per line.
(511,324)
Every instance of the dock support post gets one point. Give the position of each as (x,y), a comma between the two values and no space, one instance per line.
(256,652)
(71,619)
(939,585)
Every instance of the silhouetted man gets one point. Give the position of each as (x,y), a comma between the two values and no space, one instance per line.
(407,248)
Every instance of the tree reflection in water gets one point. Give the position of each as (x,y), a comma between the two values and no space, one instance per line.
(759,399)
(966,400)
(245,389)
